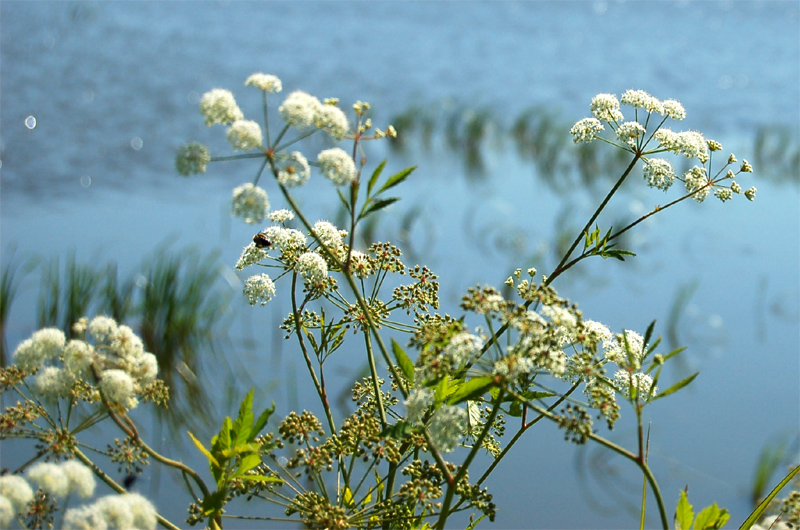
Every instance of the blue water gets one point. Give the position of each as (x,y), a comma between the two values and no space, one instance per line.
(114,88)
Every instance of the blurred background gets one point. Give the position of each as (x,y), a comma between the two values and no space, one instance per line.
(96,98)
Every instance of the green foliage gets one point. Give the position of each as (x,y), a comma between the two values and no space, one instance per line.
(710,518)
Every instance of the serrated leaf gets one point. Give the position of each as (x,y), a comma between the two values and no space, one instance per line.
(471,389)
(677,386)
(224,436)
(684,514)
(244,421)
(396,179)
(374,178)
(246,464)
(709,518)
(261,422)
(376,204)
(203,450)
(405,364)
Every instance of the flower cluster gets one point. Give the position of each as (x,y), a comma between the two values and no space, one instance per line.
(302,110)
(111,355)
(250,203)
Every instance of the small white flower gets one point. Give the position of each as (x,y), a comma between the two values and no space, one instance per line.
(17,490)
(101,328)
(115,511)
(329,235)
(416,405)
(605,107)
(696,181)
(250,203)
(259,289)
(219,106)
(337,165)
(300,109)
(143,511)
(462,348)
(84,518)
(640,381)
(639,99)
(360,264)
(723,194)
(78,358)
(81,479)
(616,352)
(312,267)
(286,239)
(280,216)
(118,387)
(244,135)
(674,109)
(331,119)
(751,194)
(50,477)
(659,173)
(43,345)
(7,512)
(447,427)
(53,382)
(629,131)
(586,130)
(293,170)
(250,256)
(266,82)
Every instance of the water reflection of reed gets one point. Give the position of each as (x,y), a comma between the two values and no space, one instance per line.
(177,305)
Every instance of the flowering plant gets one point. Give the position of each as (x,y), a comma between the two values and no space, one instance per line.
(457,386)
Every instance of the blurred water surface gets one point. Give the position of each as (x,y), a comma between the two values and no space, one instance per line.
(95,98)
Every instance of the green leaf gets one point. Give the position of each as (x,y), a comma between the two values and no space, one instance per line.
(213,503)
(246,464)
(261,422)
(348,498)
(396,179)
(441,391)
(398,431)
(374,205)
(374,178)
(677,386)
(261,478)
(467,390)
(515,409)
(211,459)
(684,514)
(403,361)
(244,422)
(711,518)
(224,436)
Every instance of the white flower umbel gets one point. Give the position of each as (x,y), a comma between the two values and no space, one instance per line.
(312,267)
(78,358)
(244,135)
(219,106)
(332,120)
(640,381)
(81,479)
(659,174)
(616,352)
(118,387)
(416,405)
(17,490)
(447,427)
(674,109)
(337,165)
(300,109)
(43,345)
(266,82)
(259,289)
(293,170)
(586,130)
(329,235)
(280,216)
(639,99)
(50,477)
(462,348)
(250,256)
(53,382)
(285,239)
(250,203)
(101,328)
(691,144)
(84,518)
(629,131)
(697,182)
(605,107)
(360,265)
(7,512)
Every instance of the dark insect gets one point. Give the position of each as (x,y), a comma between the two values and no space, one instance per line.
(261,241)
(130,480)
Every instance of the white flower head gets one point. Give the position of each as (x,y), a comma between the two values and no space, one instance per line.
(300,109)
(360,264)
(250,256)
(659,173)
(266,82)
(639,99)
(697,182)
(17,490)
(640,381)
(586,130)
(629,131)
(250,203)
(43,345)
(293,169)
(101,328)
(118,387)
(616,352)
(84,518)
(417,403)
(674,109)
(286,239)
(219,106)
(53,382)
(447,427)
(312,267)
(463,347)
(280,216)
(259,288)
(337,165)
(331,119)
(329,235)
(81,478)
(244,135)
(605,107)
(78,358)
(7,512)
(50,477)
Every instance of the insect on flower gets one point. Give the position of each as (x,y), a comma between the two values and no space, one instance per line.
(261,241)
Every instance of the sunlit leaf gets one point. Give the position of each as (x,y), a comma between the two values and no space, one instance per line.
(403,361)
(677,386)
(396,179)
